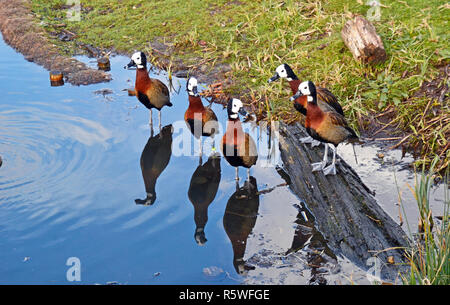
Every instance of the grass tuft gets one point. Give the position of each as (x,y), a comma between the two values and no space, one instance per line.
(429,257)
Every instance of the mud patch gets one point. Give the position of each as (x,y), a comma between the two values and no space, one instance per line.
(21,33)
(437,88)
(378,127)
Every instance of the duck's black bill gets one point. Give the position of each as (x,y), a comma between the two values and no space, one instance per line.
(243,112)
(274,78)
(296,96)
(130,64)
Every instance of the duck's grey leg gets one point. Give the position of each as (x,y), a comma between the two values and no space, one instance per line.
(150,120)
(320,165)
(213,146)
(331,169)
(307,139)
(248,180)
(200,148)
(315,143)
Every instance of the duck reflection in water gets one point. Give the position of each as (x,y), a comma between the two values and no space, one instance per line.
(307,237)
(202,191)
(239,219)
(154,159)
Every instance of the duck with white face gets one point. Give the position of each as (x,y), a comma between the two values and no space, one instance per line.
(139,60)
(191,86)
(151,92)
(201,120)
(283,71)
(234,108)
(238,147)
(326,100)
(326,126)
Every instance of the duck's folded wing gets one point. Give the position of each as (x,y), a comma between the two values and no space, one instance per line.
(248,150)
(210,123)
(159,94)
(325,95)
(337,129)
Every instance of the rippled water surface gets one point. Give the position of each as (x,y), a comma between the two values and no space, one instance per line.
(71,176)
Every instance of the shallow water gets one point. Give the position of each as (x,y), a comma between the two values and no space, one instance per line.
(393,181)
(71,174)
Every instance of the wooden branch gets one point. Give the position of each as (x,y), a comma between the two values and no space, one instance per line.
(344,208)
(361,38)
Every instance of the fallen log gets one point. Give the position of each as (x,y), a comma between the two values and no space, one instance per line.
(345,211)
(361,38)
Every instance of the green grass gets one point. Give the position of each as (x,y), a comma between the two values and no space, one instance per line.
(254,37)
(429,257)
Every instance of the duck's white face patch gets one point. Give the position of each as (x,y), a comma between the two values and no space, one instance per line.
(304,88)
(137,58)
(192,83)
(281,71)
(236,105)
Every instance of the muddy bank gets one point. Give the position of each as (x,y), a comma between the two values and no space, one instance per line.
(20,32)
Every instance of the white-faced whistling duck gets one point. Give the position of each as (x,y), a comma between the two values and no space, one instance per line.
(238,147)
(239,219)
(327,101)
(154,159)
(202,191)
(324,126)
(151,92)
(201,120)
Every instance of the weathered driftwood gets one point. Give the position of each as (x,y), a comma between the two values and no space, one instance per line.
(345,210)
(361,38)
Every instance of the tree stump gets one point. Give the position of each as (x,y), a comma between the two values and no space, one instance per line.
(345,211)
(361,38)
